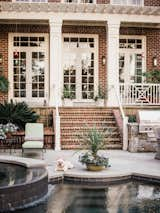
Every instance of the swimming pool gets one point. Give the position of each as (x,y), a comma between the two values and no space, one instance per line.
(129,197)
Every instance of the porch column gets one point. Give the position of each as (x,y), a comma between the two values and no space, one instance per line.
(55,62)
(56,74)
(113,62)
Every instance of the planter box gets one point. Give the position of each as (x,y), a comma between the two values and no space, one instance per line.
(100,102)
(67,102)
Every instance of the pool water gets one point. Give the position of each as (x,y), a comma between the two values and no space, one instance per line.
(130,197)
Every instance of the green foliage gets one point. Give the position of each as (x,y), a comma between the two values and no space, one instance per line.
(17,113)
(152,76)
(101,94)
(67,93)
(94,140)
(132,118)
(3,84)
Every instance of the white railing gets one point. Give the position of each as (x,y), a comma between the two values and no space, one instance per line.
(140,94)
(124,120)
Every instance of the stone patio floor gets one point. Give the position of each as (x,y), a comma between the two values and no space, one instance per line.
(122,163)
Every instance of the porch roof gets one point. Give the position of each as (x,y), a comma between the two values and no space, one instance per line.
(78,8)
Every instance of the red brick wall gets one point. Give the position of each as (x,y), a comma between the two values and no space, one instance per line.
(152,43)
(152,2)
(4,52)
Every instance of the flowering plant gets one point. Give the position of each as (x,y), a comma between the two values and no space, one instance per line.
(7,128)
(2,132)
(10,127)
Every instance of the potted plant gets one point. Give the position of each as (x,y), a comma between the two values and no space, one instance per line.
(3,84)
(99,99)
(2,132)
(152,76)
(9,128)
(94,140)
(67,97)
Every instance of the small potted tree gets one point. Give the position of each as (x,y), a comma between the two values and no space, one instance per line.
(94,141)
(99,99)
(67,97)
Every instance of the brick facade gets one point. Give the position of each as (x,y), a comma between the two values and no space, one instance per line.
(152,43)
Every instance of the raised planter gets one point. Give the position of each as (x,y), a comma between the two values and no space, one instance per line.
(100,102)
(67,102)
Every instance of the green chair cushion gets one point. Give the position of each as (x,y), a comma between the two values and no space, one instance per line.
(32,145)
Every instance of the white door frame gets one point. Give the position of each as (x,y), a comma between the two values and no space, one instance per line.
(37,101)
(79,51)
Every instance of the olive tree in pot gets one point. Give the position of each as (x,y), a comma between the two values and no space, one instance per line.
(94,141)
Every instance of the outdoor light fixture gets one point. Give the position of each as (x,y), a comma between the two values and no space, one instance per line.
(1,59)
(154,61)
(103,60)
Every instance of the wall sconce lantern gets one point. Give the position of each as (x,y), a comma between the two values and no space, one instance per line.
(155,61)
(103,60)
(1,59)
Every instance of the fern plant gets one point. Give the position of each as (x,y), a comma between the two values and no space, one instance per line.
(17,113)
(3,84)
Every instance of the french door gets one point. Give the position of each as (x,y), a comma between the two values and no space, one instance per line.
(29,68)
(80,67)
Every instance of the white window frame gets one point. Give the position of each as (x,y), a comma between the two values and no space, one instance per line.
(128,3)
(96,62)
(138,51)
(78,2)
(37,101)
(30,1)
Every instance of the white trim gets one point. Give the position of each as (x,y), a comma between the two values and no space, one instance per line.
(31,101)
(128,3)
(30,1)
(96,59)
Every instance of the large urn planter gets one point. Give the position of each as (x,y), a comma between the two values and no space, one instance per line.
(94,140)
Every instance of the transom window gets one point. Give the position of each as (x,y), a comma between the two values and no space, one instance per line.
(75,42)
(79,1)
(130,43)
(25,41)
(30,1)
(128,2)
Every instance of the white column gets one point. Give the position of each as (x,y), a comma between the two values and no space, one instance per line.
(113,62)
(56,74)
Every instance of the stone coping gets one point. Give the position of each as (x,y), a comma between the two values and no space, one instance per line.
(27,162)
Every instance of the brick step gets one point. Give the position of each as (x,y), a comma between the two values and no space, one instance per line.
(84,108)
(87,117)
(75,134)
(77,141)
(108,146)
(70,122)
(83,128)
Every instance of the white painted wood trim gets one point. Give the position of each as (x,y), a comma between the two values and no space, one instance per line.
(31,101)
(128,3)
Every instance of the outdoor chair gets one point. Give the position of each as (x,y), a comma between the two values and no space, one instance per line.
(34,138)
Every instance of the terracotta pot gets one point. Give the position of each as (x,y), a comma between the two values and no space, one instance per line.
(92,167)
(9,135)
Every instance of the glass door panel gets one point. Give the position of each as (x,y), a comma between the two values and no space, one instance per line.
(130,68)
(87,75)
(19,74)
(70,74)
(38,74)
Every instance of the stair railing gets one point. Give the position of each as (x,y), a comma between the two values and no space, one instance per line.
(124,120)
